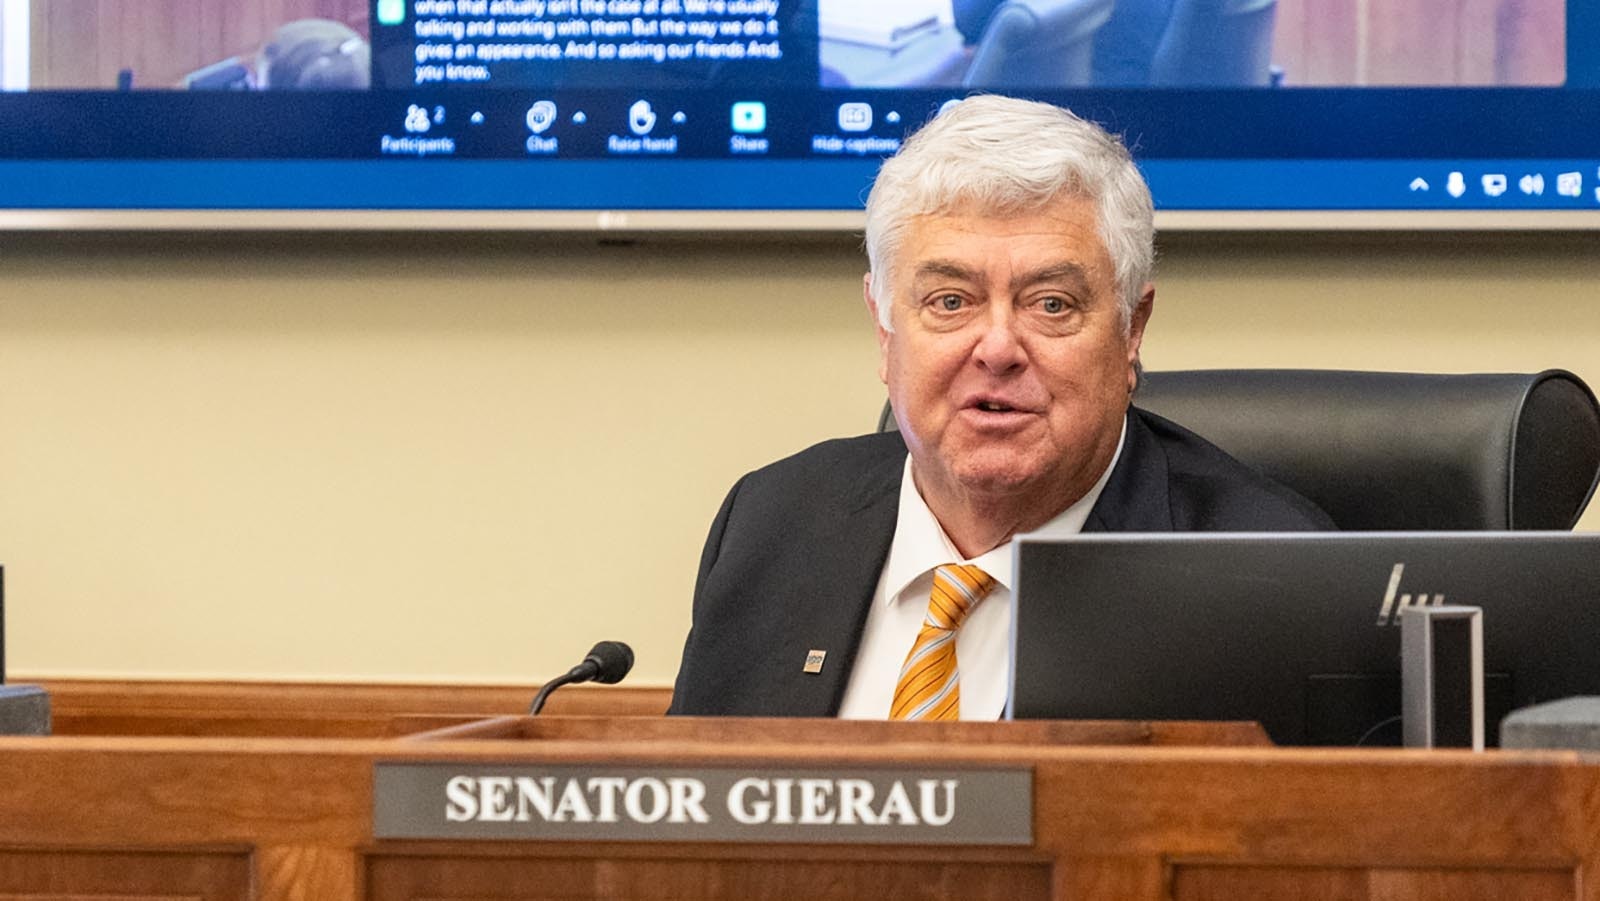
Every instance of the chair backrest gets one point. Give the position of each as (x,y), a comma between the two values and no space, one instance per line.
(1037,44)
(1397,451)
(1402,451)
(1216,43)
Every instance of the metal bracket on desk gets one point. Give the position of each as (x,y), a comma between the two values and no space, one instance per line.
(1441,676)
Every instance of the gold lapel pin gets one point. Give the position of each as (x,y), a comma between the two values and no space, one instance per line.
(814,660)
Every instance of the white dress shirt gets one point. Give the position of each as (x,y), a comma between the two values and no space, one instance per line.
(983,644)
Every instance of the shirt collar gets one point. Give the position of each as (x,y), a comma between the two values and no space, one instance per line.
(920,543)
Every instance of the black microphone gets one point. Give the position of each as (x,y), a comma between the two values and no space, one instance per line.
(607,663)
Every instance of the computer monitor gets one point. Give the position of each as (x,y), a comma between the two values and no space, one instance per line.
(1300,632)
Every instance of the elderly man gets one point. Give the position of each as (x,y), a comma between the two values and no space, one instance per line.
(1011,247)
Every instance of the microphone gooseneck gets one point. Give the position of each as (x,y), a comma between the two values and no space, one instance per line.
(607,663)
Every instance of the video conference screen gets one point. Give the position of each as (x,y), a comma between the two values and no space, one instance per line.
(612,107)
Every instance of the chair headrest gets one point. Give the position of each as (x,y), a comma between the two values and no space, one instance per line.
(1402,451)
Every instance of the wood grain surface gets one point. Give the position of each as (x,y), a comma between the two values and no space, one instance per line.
(285,818)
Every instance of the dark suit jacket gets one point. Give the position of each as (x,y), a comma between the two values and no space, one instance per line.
(795,553)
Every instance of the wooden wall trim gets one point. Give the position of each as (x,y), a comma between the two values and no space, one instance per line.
(313,710)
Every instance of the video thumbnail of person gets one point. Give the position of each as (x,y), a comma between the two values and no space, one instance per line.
(1041,44)
(247,45)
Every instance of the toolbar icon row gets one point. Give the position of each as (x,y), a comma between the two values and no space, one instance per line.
(1496,184)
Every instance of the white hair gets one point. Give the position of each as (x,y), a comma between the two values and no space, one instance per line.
(1004,156)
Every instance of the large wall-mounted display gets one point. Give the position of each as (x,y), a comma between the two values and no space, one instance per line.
(730,114)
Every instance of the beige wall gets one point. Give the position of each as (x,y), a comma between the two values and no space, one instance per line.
(379,461)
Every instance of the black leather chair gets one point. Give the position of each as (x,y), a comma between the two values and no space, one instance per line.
(1382,451)
(1402,451)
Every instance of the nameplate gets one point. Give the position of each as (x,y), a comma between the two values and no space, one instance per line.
(580,803)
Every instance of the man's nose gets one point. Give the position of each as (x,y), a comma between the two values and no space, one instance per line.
(999,348)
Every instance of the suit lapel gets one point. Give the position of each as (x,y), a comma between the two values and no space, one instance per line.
(1136,497)
(834,611)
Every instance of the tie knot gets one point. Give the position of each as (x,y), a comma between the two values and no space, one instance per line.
(956,589)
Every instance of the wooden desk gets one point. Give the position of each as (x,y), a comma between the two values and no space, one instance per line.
(290,818)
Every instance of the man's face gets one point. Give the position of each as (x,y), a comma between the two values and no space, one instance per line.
(1008,366)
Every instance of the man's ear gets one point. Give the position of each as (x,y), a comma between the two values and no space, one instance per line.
(1136,326)
(877,325)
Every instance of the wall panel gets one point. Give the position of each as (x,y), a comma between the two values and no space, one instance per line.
(467,458)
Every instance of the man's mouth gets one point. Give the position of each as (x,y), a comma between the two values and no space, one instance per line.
(990,406)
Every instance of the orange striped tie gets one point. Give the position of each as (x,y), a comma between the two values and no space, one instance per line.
(930,682)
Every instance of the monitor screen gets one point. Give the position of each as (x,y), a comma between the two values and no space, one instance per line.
(730,114)
(1300,632)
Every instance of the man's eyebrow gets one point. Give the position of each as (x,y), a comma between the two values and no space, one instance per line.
(946,269)
(1064,271)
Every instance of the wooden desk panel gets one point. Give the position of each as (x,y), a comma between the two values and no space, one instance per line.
(662,877)
(1226,883)
(110,875)
(290,819)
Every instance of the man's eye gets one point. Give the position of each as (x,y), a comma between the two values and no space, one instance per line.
(1053,305)
(951,303)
